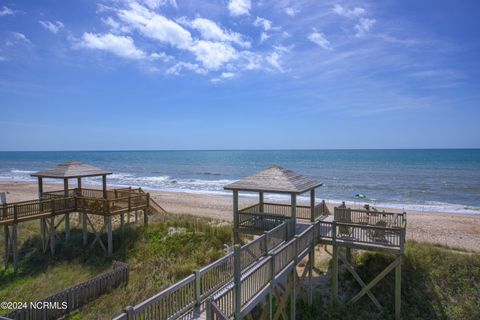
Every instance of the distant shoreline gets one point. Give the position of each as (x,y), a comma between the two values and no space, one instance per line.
(453,230)
(350,202)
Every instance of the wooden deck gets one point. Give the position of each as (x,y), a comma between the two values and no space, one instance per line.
(90,201)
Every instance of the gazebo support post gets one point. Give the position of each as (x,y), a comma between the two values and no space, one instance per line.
(293,215)
(260,201)
(67,215)
(236,239)
(40,187)
(104,186)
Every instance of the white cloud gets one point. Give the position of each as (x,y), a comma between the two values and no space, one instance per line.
(213,55)
(263,37)
(20,37)
(274,59)
(5,11)
(363,26)
(177,68)
(209,30)
(121,46)
(155,26)
(291,11)
(349,13)
(160,56)
(223,76)
(319,39)
(239,7)
(227,75)
(53,27)
(154,4)
(264,23)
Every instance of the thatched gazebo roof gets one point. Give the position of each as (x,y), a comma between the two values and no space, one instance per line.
(275,180)
(71,169)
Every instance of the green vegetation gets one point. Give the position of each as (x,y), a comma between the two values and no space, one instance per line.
(156,260)
(437,283)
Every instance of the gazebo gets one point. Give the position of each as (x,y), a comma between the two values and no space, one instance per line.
(263,215)
(71,170)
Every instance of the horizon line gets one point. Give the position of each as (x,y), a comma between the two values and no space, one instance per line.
(223,150)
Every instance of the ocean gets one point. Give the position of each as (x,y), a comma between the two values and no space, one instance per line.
(423,180)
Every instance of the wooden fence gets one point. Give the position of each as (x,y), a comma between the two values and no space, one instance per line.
(68,300)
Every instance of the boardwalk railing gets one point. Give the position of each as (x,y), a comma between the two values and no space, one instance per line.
(75,297)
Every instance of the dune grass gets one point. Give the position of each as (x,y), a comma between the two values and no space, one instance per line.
(437,283)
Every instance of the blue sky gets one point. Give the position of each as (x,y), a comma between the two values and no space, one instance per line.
(235,74)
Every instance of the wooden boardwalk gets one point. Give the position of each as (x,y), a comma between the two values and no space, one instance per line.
(250,274)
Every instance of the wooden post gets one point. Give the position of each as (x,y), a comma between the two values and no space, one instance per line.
(84,224)
(334,263)
(293,295)
(312,205)
(110,239)
(236,239)
(14,239)
(260,201)
(6,252)
(311,262)
(52,228)
(272,286)
(145,211)
(398,289)
(145,217)
(294,215)
(237,273)
(129,312)
(104,186)
(43,234)
(79,193)
(198,300)
(40,187)
(67,214)
(14,247)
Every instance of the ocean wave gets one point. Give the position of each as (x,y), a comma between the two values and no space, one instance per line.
(215,187)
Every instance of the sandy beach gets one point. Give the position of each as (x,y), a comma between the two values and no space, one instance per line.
(454,230)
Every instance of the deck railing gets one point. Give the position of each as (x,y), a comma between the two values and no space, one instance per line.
(369,217)
(282,211)
(18,211)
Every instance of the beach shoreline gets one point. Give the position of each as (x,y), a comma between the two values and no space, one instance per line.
(449,229)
